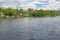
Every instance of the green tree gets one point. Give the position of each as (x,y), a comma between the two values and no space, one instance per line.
(9,11)
(30,9)
(1,9)
(21,10)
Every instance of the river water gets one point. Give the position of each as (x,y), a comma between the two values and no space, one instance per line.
(47,28)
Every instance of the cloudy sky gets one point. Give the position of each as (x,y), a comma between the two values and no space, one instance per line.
(35,4)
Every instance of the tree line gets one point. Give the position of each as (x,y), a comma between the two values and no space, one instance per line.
(28,13)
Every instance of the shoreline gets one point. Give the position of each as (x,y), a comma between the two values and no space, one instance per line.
(27,17)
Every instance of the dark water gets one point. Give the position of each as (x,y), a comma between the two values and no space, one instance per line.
(30,29)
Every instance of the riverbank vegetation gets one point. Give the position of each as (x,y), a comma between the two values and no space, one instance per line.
(14,13)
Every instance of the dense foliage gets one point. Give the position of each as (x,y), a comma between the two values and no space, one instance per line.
(30,12)
(43,13)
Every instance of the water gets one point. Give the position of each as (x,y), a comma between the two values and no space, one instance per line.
(47,28)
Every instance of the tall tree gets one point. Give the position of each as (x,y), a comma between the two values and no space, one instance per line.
(30,9)
(21,10)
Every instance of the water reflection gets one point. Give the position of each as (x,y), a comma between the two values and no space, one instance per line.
(30,29)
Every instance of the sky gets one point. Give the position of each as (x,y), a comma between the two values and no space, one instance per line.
(35,4)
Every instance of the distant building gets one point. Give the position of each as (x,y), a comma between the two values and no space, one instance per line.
(19,15)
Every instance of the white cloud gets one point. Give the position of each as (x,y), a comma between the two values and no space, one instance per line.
(52,4)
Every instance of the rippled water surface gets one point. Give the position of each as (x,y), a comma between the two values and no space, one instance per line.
(47,28)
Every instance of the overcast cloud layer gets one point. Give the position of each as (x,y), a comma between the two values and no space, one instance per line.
(35,4)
